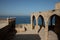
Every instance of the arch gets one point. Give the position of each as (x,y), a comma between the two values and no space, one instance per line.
(33,21)
(52,21)
(41,22)
(55,28)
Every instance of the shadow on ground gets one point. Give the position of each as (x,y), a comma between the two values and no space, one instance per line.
(7,33)
(27,37)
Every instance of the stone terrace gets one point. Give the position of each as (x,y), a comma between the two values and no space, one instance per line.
(3,22)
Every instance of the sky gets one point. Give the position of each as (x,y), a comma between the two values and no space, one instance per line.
(25,7)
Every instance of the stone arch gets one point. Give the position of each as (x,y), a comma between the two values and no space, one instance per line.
(42,20)
(33,21)
(55,28)
(51,24)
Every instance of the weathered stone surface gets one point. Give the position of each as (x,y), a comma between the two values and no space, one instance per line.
(57,6)
(52,36)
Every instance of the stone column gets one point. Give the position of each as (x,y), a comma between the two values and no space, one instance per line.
(31,22)
(37,26)
(46,28)
(37,21)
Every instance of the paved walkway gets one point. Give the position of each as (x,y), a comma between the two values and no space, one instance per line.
(31,35)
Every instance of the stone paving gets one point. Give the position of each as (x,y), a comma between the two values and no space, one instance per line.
(32,35)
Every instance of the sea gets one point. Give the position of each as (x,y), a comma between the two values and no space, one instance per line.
(19,19)
(25,19)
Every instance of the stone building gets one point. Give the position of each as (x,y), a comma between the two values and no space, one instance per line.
(45,31)
(46,17)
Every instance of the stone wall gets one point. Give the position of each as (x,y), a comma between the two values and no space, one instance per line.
(8,31)
(57,6)
(23,27)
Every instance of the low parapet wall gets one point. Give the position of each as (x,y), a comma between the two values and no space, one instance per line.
(23,27)
(6,21)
